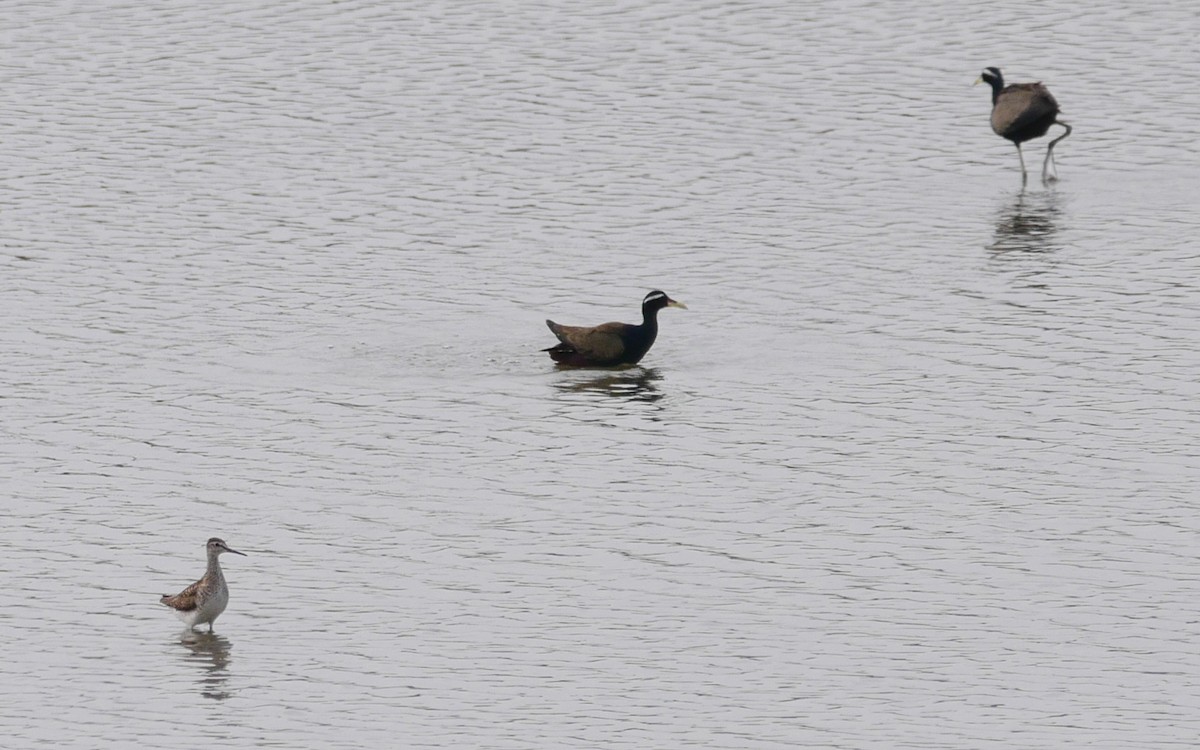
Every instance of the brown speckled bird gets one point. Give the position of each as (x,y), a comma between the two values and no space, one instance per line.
(1022,112)
(610,344)
(205,599)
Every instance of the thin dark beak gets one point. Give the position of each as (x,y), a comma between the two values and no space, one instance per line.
(231,549)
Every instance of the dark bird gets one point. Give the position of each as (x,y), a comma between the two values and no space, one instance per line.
(1022,112)
(612,343)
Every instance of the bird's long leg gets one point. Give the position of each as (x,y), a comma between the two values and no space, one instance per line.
(1049,163)
(1022,158)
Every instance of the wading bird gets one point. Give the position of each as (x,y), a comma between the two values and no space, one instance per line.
(610,344)
(1022,112)
(205,599)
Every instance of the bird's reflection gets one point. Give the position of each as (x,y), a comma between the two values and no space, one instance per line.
(634,384)
(1027,224)
(210,653)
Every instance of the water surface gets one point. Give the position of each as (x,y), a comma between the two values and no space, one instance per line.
(914,470)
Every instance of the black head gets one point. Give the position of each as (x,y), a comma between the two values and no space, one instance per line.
(993,77)
(657,300)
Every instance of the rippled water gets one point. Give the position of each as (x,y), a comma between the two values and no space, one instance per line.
(915,470)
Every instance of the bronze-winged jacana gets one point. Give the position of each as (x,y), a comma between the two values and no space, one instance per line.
(1022,112)
(610,344)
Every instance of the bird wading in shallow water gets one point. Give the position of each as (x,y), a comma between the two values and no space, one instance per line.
(610,344)
(204,600)
(1022,112)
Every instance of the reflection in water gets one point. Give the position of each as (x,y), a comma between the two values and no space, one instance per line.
(211,653)
(1028,224)
(635,384)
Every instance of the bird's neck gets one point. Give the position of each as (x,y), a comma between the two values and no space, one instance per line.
(214,566)
(643,337)
(997,87)
(650,318)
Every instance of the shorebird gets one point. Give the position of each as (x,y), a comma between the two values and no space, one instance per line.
(610,344)
(205,599)
(1021,112)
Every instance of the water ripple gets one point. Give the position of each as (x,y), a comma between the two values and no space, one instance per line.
(914,468)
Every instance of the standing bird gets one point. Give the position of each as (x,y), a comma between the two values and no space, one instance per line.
(612,343)
(1022,112)
(205,599)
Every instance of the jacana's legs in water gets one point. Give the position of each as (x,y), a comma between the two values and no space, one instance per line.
(1046,165)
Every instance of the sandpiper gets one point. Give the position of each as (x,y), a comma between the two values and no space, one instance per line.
(205,599)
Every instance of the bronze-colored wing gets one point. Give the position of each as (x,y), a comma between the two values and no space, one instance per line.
(602,343)
(184,601)
(1025,110)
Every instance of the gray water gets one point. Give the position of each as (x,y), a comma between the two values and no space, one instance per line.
(916,469)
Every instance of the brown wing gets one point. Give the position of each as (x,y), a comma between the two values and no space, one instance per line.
(1024,110)
(184,601)
(601,343)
